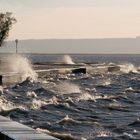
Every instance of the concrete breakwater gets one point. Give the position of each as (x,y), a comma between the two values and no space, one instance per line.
(11,77)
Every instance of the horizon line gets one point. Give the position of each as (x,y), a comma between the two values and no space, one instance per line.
(137,37)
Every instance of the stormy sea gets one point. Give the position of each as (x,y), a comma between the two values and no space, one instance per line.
(74,97)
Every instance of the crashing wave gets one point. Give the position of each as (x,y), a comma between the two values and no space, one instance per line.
(21,65)
(128,67)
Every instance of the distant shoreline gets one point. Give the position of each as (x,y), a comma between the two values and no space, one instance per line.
(75,46)
(72,53)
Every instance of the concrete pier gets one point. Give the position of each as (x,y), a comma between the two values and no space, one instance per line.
(8,77)
(11,130)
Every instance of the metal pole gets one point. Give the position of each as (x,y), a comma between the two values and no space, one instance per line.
(16,45)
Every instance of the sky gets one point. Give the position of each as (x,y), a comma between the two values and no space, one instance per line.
(45,19)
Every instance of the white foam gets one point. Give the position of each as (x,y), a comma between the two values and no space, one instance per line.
(128,135)
(103,134)
(86,96)
(66,136)
(130,89)
(104,81)
(107,82)
(36,104)
(5,105)
(67,119)
(45,82)
(31,94)
(53,100)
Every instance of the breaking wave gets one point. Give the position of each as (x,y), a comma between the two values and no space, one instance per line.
(21,65)
(127,68)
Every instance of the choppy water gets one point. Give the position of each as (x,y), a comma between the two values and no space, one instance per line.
(92,106)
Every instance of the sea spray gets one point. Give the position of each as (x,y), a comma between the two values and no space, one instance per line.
(67,88)
(67,59)
(1,90)
(128,67)
(21,65)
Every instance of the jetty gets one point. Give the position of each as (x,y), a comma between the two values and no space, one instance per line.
(9,77)
(11,130)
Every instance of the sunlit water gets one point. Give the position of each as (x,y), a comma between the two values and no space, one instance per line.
(102,106)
